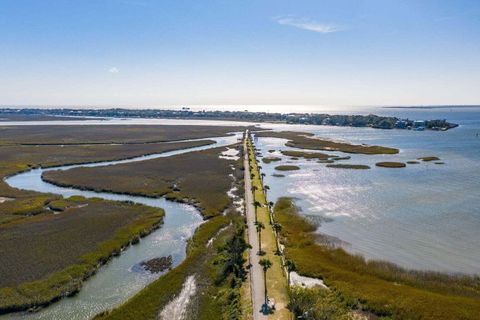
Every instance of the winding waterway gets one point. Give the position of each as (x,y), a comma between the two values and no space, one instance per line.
(121,278)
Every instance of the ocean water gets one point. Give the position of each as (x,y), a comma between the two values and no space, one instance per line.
(424,216)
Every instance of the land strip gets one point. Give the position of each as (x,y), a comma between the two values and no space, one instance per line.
(108,134)
(256,273)
(276,278)
(373,121)
(304,140)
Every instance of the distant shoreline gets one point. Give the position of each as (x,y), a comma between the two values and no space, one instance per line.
(433,107)
(340,120)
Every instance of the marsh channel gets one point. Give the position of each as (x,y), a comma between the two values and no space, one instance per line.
(123,276)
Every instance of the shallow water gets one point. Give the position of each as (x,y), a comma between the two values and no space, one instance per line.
(119,279)
(425,216)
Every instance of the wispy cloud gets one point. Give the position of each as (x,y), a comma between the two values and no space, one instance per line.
(113,70)
(308,24)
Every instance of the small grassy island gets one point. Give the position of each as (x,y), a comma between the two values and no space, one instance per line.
(390,164)
(427,159)
(325,161)
(270,159)
(348,166)
(287,168)
(306,155)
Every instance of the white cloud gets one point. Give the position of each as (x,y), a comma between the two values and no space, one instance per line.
(307,24)
(113,70)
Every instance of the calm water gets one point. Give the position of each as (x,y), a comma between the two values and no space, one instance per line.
(424,216)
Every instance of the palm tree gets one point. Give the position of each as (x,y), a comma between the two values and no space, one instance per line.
(266,264)
(260,226)
(266,188)
(252,175)
(262,175)
(256,204)
(290,265)
(277,227)
(253,189)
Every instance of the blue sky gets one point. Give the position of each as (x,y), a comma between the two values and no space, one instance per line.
(160,53)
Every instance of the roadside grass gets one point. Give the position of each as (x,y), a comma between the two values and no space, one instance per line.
(304,140)
(276,278)
(379,287)
(199,178)
(61,251)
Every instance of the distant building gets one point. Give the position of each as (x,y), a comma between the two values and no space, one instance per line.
(419,123)
(401,124)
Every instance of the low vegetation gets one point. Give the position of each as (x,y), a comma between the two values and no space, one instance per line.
(101,134)
(48,255)
(200,178)
(51,255)
(326,161)
(306,155)
(17,158)
(318,303)
(304,140)
(390,164)
(287,168)
(379,287)
(348,166)
(427,159)
(270,159)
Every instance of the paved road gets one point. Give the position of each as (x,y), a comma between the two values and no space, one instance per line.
(256,272)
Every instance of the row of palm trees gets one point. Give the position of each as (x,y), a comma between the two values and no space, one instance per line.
(277,227)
